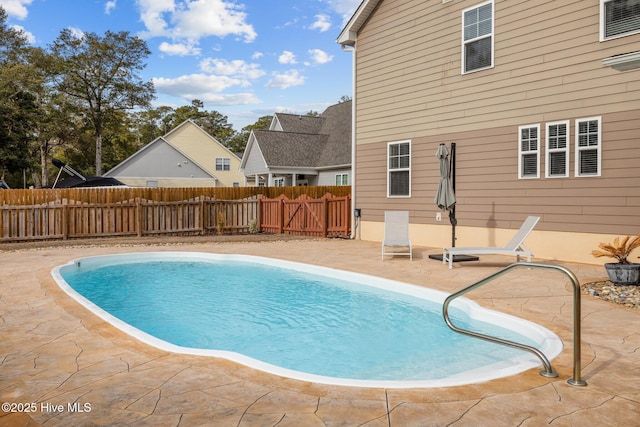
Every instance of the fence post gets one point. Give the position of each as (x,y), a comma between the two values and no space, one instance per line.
(258,214)
(201,219)
(65,220)
(138,217)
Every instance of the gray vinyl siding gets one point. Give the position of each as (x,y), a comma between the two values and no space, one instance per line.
(160,160)
(547,67)
(328,177)
(255,163)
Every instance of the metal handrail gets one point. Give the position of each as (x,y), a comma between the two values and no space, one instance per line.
(548,369)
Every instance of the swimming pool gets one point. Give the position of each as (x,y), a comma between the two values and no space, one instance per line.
(297,320)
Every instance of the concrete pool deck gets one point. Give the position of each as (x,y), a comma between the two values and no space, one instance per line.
(71,368)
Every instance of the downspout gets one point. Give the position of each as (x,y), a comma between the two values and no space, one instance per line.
(355,230)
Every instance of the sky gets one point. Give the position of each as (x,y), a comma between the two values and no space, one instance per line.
(244,58)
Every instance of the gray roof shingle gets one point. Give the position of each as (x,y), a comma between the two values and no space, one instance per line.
(309,141)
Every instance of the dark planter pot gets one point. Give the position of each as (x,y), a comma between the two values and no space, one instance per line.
(623,274)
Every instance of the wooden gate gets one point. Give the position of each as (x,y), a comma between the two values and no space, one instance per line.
(328,216)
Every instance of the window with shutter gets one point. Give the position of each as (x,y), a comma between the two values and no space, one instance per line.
(528,151)
(588,147)
(619,18)
(477,37)
(557,150)
(399,169)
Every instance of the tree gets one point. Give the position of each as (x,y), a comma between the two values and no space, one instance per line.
(238,142)
(20,81)
(59,125)
(101,75)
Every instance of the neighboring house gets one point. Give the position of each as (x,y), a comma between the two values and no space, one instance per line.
(301,150)
(542,99)
(185,157)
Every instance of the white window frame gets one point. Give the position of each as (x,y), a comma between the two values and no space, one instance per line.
(522,153)
(399,169)
(278,182)
(550,151)
(597,147)
(342,179)
(224,163)
(603,18)
(491,35)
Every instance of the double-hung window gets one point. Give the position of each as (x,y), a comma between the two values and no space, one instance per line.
(477,37)
(399,169)
(529,151)
(223,164)
(557,150)
(342,179)
(619,18)
(588,147)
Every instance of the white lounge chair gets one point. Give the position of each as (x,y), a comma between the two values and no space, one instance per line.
(514,247)
(396,233)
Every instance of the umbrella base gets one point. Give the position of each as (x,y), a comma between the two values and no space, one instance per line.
(456,258)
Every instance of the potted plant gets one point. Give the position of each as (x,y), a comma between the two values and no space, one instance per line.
(622,272)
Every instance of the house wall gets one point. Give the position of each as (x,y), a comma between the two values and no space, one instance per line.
(204,149)
(328,177)
(169,182)
(255,163)
(159,159)
(547,67)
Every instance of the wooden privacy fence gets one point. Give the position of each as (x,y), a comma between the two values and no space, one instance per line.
(139,217)
(328,216)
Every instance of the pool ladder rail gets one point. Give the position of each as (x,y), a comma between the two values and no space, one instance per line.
(548,369)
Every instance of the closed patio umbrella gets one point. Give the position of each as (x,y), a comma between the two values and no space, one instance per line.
(445,197)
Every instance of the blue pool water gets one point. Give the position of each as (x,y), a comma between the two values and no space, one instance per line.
(291,318)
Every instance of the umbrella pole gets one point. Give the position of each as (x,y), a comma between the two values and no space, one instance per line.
(452,176)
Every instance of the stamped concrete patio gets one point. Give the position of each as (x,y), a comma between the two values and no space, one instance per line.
(70,368)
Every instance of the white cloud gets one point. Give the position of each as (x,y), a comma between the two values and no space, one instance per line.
(344,8)
(257,55)
(206,88)
(109,6)
(16,8)
(194,83)
(287,58)
(322,23)
(31,39)
(236,68)
(285,80)
(193,20)
(319,56)
(76,32)
(244,98)
(179,49)
(152,14)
